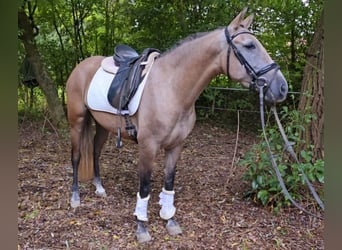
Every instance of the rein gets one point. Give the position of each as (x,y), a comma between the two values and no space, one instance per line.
(260,84)
(289,148)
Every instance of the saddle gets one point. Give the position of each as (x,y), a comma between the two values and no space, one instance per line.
(132,70)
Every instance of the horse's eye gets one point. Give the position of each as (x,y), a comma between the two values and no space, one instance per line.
(249,46)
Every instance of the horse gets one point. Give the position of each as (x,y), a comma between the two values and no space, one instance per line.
(166,114)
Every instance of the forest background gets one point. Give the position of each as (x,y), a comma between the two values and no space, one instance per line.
(55,35)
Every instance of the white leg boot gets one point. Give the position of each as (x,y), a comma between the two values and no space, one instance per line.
(141,208)
(167,210)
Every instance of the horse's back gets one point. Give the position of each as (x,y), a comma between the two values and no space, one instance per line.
(83,72)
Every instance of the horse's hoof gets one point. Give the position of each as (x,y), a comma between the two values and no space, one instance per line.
(142,233)
(143,237)
(75,200)
(75,203)
(173,227)
(101,194)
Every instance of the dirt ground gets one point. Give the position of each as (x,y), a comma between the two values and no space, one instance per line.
(209,198)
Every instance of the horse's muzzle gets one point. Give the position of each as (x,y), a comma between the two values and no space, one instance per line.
(276,91)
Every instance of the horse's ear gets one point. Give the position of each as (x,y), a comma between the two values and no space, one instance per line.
(239,19)
(247,21)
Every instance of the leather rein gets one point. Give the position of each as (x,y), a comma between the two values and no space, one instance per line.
(261,85)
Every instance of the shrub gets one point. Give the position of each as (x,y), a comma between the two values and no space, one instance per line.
(265,187)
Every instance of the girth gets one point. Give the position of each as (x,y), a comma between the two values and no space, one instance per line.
(129,75)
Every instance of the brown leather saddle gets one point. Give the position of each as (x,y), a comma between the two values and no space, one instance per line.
(129,75)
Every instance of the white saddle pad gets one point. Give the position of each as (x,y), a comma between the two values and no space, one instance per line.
(98,90)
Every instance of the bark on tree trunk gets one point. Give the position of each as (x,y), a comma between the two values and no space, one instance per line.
(313,84)
(46,84)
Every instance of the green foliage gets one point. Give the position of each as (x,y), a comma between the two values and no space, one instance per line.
(31,104)
(160,24)
(265,187)
(69,31)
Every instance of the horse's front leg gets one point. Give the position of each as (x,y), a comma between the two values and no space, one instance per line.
(99,140)
(168,210)
(146,159)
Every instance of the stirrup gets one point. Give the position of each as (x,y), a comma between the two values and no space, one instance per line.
(118,138)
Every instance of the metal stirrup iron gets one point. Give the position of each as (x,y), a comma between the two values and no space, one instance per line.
(118,138)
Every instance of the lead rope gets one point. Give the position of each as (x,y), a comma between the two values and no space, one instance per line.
(274,164)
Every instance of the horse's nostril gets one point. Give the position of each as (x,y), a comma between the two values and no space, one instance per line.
(283,89)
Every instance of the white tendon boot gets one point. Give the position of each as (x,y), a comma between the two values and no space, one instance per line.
(141,208)
(167,210)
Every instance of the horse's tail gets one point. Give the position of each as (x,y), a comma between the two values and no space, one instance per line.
(86,166)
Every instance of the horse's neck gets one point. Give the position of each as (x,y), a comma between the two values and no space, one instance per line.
(195,64)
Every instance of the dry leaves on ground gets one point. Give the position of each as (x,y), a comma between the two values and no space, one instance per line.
(209,198)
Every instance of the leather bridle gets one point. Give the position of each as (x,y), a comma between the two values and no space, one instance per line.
(256,80)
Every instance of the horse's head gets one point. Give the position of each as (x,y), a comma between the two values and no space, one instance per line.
(249,63)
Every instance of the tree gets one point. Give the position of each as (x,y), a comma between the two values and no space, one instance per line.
(313,87)
(27,33)
(71,30)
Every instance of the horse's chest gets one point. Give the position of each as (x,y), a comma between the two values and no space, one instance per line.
(180,130)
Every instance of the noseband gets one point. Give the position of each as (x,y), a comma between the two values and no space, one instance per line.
(257,81)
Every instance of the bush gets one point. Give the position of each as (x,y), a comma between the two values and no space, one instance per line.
(265,187)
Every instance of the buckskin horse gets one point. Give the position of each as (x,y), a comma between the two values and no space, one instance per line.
(166,113)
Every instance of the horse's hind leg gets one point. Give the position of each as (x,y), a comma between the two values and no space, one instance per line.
(81,147)
(99,140)
(75,196)
(168,210)
(75,134)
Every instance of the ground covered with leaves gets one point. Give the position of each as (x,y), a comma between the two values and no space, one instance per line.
(211,208)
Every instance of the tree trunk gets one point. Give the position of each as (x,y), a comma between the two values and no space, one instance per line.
(46,84)
(313,88)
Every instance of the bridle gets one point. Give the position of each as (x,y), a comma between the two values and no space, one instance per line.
(257,81)
(260,84)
